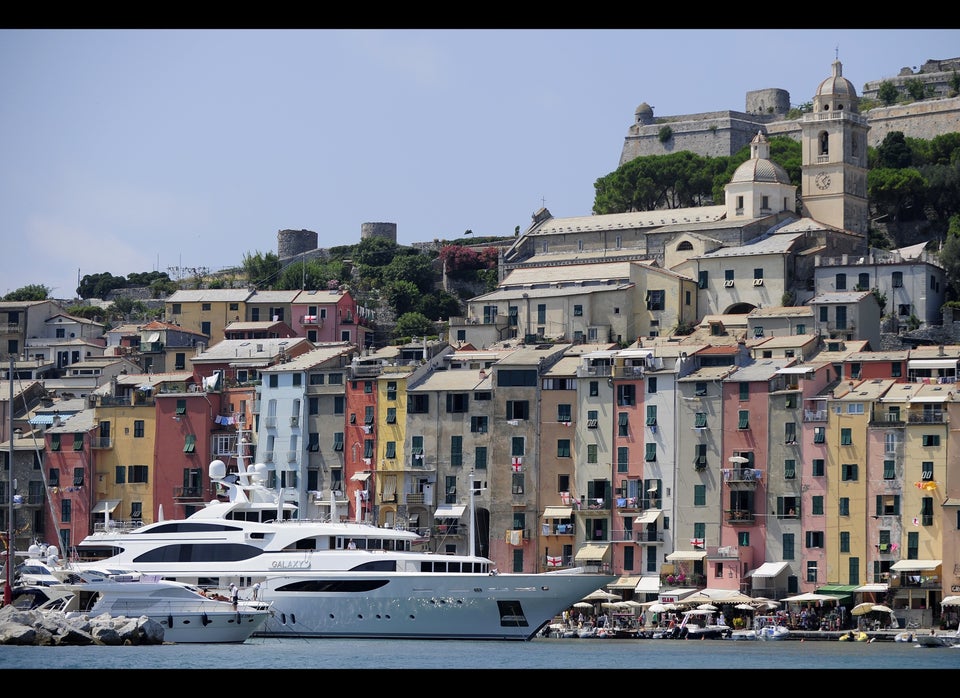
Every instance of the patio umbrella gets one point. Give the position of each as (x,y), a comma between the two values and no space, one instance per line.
(660,608)
(744,607)
(707,607)
(861,609)
(882,609)
(583,604)
(600,595)
(950,601)
(738,459)
(630,603)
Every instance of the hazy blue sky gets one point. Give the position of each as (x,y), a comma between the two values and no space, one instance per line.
(137,150)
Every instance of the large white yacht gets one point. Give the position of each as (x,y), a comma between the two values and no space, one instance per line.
(335,579)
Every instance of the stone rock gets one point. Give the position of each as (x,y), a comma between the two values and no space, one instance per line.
(19,627)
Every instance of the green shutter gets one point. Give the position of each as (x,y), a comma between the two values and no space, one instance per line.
(190,445)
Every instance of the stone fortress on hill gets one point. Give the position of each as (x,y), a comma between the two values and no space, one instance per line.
(723,133)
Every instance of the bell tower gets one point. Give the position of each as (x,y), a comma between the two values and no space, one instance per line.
(834,156)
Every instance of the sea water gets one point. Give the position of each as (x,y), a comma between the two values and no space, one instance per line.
(551,654)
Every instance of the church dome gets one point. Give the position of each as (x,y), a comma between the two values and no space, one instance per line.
(759,168)
(836,93)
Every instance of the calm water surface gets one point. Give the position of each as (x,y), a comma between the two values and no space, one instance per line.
(274,653)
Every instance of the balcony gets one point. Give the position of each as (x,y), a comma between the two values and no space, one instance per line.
(448,530)
(739,516)
(563,529)
(270,422)
(187,492)
(814,415)
(151,347)
(101,442)
(742,478)
(311,320)
(927,418)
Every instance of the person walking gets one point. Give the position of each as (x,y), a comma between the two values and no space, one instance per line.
(234,595)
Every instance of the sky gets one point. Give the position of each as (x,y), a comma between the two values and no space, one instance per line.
(138,150)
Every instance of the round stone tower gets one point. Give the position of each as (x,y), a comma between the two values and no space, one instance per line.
(379,230)
(291,243)
(769,101)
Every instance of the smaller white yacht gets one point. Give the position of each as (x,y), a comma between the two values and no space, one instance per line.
(186,613)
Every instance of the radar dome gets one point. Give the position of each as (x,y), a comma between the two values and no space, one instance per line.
(218,470)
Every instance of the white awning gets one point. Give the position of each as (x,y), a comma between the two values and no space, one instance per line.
(686,555)
(105,506)
(873,588)
(557,512)
(931,398)
(155,337)
(770,569)
(360,477)
(794,370)
(649,584)
(916,565)
(592,552)
(649,516)
(449,511)
(931,363)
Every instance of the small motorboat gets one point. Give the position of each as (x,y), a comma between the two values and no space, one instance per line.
(854,636)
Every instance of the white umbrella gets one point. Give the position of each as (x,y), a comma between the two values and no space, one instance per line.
(707,607)
(882,609)
(583,604)
(738,459)
(950,601)
(659,608)
(743,607)
(861,609)
(600,595)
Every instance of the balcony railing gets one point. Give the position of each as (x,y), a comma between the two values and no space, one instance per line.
(187,492)
(742,476)
(927,418)
(814,415)
(739,516)
(101,442)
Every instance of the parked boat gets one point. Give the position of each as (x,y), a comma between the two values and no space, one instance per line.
(337,579)
(769,628)
(854,636)
(185,612)
(934,639)
(703,624)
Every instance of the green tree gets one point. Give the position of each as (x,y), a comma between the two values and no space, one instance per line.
(916,88)
(950,258)
(99,285)
(403,297)
(375,252)
(262,269)
(893,152)
(440,305)
(887,92)
(895,192)
(31,292)
(414,325)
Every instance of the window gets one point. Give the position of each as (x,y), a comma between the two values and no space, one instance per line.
(181,407)
(863,282)
(313,441)
(190,443)
(841,282)
(563,448)
(55,442)
(651,452)
(744,391)
(78,477)
(926,470)
(53,477)
(818,467)
(78,442)
(456,451)
(541,313)
(391,415)
(743,539)
(652,384)
(416,451)
(744,419)
(844,506)
(848,472)
(65,510)
(816,505)
(368,448)
(702,279)
(564,413)
(518,409)
(627,394)
(926,511)
(623,424)
(898,279)
(819,435)
(728,275)
(517,446)
(651,416)
(136,510)
(516,485)
(655,300)
(138,474)
(594,388)
(903,309)
(274,380)
(480,458)
(623,457)
(700,420)
(801,328)
(700,459)
(700,388)
(339,404)
(368,415)
(391,451)
(592,453)
(478,425)
(790,433)
(846,436)
(812,571)
(458,402)
(578,311)
(814,539)
(418,404)
(338,441)
(888,505)
(699,495)
(789,469)
(896,369)
(789,552)
(844,541)
(889,470)
(931,439)
(592,420)
(391,390)
(120,475)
